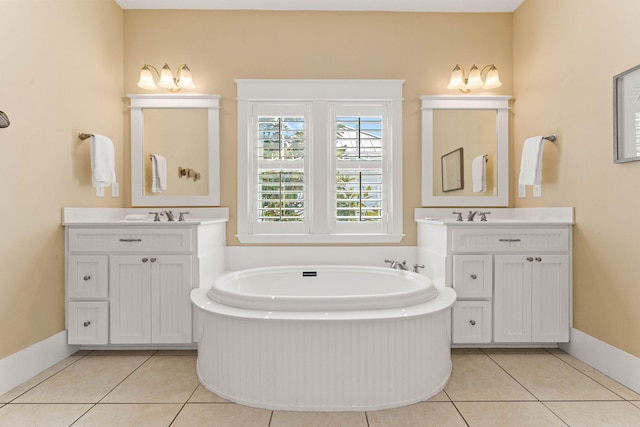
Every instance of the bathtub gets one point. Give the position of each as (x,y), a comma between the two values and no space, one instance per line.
(323,338)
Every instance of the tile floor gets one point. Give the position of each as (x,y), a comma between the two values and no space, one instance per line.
(494,388)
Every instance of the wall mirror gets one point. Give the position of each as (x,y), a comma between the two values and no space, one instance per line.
(626,120)
(175,144)
(479,125)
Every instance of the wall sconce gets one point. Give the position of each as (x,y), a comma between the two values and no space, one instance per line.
(166,79)
(466,85)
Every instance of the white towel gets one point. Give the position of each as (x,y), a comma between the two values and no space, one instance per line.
(158,173)
(479,174)
(103,171)
(531,164)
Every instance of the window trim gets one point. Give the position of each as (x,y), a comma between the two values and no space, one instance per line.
(321,94)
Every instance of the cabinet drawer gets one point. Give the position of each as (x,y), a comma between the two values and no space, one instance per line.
(88,322)
(471,322)
(129,240)
(87,276)
(473,276)
(510,239)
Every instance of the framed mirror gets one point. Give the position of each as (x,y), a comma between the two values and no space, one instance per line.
(479,126)
(175,144)
(626,116)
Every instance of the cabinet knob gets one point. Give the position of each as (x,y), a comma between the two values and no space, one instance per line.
(474,277)
(145,259)
(86,324)
(154,259)
(87,278)
(473,322)
(538,259)
(530,259)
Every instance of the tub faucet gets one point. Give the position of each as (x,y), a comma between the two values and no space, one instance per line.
(397,264)
(471,215)
(169,215)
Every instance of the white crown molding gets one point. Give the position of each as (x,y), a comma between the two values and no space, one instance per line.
(473,6)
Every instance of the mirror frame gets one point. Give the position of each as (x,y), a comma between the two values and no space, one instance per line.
(498,103)
(622,115)
(155,101)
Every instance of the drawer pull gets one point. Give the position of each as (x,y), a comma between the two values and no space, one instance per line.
(154,259)
(538,259)
(87,278)
(145,259)
(473,322)
(131,240)
(474,277)
(86,324)
(530,259)
(509,240)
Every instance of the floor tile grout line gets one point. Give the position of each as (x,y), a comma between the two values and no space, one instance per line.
(508,373)
(554,413)
(270,419)
(47,378)
(460,413)
(127,376)
(591,378)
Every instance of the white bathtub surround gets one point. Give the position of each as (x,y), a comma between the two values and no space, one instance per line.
(244,257)
(336,359)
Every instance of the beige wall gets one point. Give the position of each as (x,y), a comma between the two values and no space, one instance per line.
(220,46)
(565,55)
(60,74)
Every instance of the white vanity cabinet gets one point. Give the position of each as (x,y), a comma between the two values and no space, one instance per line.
(512,277)
(130,284)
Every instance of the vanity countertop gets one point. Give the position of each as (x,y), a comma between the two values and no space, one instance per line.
(116,217)
(503,217)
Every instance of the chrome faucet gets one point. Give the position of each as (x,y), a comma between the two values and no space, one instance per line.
(169,215)
(397,264)
(483,216)
(471,215)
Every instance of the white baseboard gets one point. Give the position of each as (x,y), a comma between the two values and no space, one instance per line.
(19,367)
(611,361)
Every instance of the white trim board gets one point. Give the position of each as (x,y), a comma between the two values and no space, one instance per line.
(611,361)
(18,367)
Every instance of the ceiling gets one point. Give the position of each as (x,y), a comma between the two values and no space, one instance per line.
(348,5)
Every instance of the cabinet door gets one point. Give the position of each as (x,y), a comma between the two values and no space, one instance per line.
(512,298)
(550,298)
(472,276)
(130,301)
(170,300)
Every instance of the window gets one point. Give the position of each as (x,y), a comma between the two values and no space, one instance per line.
(319,161)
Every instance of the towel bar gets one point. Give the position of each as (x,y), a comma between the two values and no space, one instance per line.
(84,136)
(551,138)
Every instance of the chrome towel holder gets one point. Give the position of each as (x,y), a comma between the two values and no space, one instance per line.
(551,138)
(84,136)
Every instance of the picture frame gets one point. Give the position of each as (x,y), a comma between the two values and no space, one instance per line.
(626,116)
(452,171)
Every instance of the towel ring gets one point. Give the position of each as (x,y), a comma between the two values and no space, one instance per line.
(84,136)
